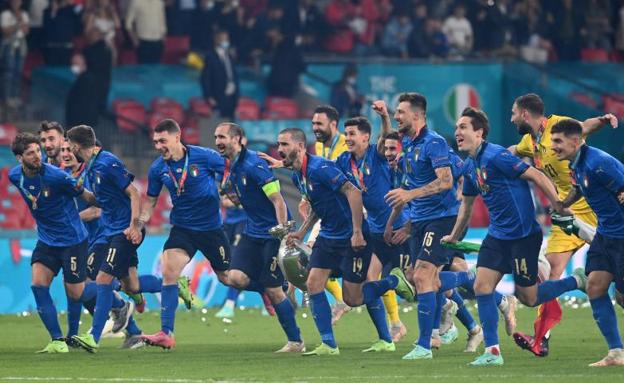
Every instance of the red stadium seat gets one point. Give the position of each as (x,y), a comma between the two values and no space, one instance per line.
(130,115)
(10,219)
(594,55)
(480,216)
(190,131)
(176,48)
(7,133)
(247,109)
(277,108)
(33,60)
(168,108)
(614,105)
(127,57)
(200,107)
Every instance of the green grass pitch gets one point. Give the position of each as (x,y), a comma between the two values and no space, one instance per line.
(242,351)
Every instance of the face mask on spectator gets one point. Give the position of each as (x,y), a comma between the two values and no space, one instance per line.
(76,69)
(351,81)
(224,45)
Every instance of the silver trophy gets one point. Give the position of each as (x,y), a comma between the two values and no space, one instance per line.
(292,260)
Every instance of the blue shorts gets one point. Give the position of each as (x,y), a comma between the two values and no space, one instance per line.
(257,258)
(607,254)
(425,240)
(338,255)
(516,256)
(72,259)
(390,256)
(121,256)
(213,244)
(234,232)
(97,254)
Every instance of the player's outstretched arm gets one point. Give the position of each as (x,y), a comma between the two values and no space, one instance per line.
(133,232)
(272,191)
(274,163)
(91,213)
(573,196)
(463,218)
(381,109)
(147,210)
(443,181)
(354,197)
(307,225)
(88,197)
(594,124)
(396,210)
(547,186)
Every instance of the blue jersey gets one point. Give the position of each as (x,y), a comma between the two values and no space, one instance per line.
(421,157)
(600,178)
(234,215)
(371,174)
(457,166)
(55,211)
(196,207)
(495,174)
(320,184)
(248,175)
(95,227)
(109,179)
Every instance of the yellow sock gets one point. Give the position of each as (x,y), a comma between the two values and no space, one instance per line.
(334,288)
(392,306)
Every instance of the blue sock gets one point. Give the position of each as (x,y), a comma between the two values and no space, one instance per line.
(169,305)
(47,311)
(451,279)
(322,317)
(498,298)
(103,305)
(255,286)
(90,305)
(550,290)
(374,289)
(132,327)
(149,283)
(604,315)
(286,316)
(437,316)
(74,308)
(488,313)
(89,292)
(232,294)
(116,284)
(377,312)
(426,313)
(463,314)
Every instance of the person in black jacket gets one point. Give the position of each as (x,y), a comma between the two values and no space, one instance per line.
(81,105)
(219,80)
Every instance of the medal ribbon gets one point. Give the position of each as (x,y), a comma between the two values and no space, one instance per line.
(87,168)
(180,186)
(358,172)
(227,171)
(331,147)
(303,181)
(537,159)
(33,199)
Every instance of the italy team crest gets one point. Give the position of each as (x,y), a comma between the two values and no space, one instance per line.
(194,170)
(416,154)
(481,180)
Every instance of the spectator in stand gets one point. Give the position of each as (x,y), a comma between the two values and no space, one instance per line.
(619,36)
(256,43)
(431,43)
(145,23)
(566,35)
(344,94)
(179,15)
(286,65)
(458,31)
(204,19)
(597,29)
(219,80)
(60,26)
(532,29)
(312,26)
(340,16)
(370,18)
(100,23)
(231,17)
(99,62)
(81,105)
(396,34)
(15,26)
(35,13)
